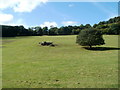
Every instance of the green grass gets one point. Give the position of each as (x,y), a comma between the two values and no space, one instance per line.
(26,64)
(0,63)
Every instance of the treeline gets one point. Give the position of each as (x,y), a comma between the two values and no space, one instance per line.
(11,31)
(112,26)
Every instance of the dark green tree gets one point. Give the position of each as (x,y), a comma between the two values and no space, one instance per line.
(30,32)
(95,25)
(75,31)
(8,31)
(21,30)
(67,30)
(115,29)
(87,26)
(90,37)
(53,31)
(45,30)
(39,31)
(82,26)
(61,31)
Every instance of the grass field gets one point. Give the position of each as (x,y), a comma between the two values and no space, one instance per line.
(26,64)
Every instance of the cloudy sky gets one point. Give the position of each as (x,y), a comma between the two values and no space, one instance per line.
(44,13)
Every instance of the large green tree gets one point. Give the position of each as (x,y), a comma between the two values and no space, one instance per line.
(90,37)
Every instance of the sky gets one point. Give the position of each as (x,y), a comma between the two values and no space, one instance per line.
(31,13)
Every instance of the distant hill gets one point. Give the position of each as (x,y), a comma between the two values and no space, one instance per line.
(112,26)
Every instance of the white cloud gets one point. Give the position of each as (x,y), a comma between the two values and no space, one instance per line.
(21,5)
(5,18)
(66,23)
(18,22)
(49,24)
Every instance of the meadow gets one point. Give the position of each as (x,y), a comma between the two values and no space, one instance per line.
(26,64)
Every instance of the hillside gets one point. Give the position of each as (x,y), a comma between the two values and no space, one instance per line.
(112,26)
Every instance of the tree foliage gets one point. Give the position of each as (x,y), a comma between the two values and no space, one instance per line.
(90,37)
(111,27)
(45,30)
(115,29)
(53,31)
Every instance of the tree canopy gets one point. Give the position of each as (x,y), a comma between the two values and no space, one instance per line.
(90,37)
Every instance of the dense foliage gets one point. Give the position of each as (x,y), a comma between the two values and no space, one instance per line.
(90,37)
(112,26)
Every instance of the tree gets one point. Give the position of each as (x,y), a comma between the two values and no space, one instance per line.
(67,30)
(87,26)
(90,37)
(75,31)
(115,29)
(39,31)
(95,25)
(45,30)
(61,31)
(53,31)
(101,23)
(102,26)
(30,31)
(82,26)
(8,31)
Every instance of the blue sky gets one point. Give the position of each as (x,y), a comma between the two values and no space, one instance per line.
(57,13)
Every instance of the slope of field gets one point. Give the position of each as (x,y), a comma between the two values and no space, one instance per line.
(26,64)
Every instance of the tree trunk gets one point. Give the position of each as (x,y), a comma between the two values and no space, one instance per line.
(90,46)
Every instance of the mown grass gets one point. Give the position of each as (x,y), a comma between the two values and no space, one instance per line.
(26,64)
